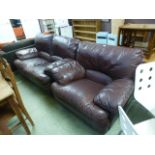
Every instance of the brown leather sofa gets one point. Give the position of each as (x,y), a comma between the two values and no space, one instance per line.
(33,61)
(89,79)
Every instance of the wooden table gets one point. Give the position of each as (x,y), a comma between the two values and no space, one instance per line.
(128,34)
(5,93)
(10,95)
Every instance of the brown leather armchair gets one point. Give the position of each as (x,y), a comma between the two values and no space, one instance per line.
(107,82)
(33,61)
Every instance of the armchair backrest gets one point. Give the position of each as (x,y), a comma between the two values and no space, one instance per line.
(44,43)
(64,47)
(117,62)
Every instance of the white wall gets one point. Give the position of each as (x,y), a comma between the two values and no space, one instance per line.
(6,31)
(31,27)
(61,22)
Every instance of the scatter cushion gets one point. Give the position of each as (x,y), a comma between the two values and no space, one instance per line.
(65,71)
(27,53)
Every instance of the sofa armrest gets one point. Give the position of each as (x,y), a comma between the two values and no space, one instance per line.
(65,71)
(27,53)
(98,77)
(48,57)
(115,94)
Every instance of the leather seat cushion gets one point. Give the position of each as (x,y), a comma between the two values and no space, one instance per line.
(34,68)
(79,95)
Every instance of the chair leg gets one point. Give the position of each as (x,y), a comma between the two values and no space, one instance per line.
(19,114)
(18,97)
(26,113)
(4,129)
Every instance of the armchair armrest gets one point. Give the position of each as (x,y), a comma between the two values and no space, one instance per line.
(65,71)
(115,94)
(48,57)
(27,53)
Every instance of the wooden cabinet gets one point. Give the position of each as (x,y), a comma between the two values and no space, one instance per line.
(139,36)
(85,29)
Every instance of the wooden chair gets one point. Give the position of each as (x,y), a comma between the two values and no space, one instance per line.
(10,94)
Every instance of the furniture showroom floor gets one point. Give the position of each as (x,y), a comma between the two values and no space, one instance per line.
(51,118)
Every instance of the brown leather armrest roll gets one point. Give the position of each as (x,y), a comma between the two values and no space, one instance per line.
(48,57)
(115,94)
(27,53)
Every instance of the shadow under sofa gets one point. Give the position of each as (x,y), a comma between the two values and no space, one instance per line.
(106,79)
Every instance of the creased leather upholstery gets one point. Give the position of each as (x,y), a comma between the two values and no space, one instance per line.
(98,77)
(79,95)
(65,71)
(65,47)
(117,62)
(115,94)
(44,55)
(87,89)
(55,58)
(44,43)
(33,69)
(48,57)
(27,53)
(50,67)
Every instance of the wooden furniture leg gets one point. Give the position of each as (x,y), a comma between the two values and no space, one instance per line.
(4,129)
(26,114)
(17,111)
(14,86)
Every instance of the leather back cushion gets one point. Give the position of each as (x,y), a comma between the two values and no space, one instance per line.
(65,71)
(117,62)
(44,43)
(98,77)
(64,47)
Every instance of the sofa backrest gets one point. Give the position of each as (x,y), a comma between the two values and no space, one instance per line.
(64,47)
(44,43)
(117,62)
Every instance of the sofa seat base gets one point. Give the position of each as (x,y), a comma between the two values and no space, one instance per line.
(79,96)
(33,69)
